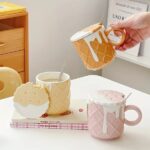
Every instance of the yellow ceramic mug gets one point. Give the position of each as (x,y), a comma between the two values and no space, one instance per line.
(95,47)
(58,90)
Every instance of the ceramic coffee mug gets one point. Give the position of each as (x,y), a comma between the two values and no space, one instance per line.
(95,45)
(106,114)
(59,91)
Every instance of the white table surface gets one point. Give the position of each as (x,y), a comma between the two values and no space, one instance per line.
(134,138)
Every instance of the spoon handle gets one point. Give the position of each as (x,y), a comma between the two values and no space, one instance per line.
(61,72)
(128,96)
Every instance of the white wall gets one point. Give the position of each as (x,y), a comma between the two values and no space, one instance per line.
(129,74)
(51,24)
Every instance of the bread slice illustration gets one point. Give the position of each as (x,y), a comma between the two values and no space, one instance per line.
(31,101)
(93,47)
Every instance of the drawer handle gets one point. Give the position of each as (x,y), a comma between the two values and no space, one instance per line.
(2,44)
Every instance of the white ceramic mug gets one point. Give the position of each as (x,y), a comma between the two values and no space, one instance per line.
(59,91)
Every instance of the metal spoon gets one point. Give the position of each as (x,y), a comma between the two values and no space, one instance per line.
(61,72)
(128,96)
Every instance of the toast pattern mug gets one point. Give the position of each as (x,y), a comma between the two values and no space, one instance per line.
(106,114)
(94,45)
(58,91)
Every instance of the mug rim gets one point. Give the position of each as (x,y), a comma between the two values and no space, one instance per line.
(86,33)
(52,72)
(96,100)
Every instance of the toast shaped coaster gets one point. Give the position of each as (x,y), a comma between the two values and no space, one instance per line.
(94,45)
(31,101)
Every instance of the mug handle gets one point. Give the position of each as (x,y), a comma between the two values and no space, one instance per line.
(123,35)
(134,122)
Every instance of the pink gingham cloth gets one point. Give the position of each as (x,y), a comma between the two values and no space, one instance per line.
(71,126)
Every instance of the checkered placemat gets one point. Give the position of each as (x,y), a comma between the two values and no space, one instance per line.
(72,126)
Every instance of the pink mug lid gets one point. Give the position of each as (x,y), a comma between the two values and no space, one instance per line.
(107,97)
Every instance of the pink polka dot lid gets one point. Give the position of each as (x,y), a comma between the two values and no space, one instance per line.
(107,96)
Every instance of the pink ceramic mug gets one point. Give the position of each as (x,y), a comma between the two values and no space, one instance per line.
(106,114)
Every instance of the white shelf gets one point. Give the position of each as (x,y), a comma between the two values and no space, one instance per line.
(140,60)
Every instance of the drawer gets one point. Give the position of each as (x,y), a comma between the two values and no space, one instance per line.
(11,40)
(14,60)
(22,74)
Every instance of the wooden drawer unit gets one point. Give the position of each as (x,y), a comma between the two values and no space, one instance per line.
(11,40)
(14,60)
(22,75)
(14,40)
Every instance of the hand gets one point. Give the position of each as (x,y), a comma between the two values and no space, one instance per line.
(137,29)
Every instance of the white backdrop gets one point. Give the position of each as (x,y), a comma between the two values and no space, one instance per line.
(51,24)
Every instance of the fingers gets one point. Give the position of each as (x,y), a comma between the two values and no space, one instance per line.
(126,23)
(121,48)
(121,24)
(128,44)
(136,30)
(137,21)
(132,38)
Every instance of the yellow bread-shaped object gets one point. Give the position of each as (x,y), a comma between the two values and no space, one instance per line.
(59,98)
(58,91)
(9,81)
(99,44)
(29,93)
(104,51)
(31,101)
